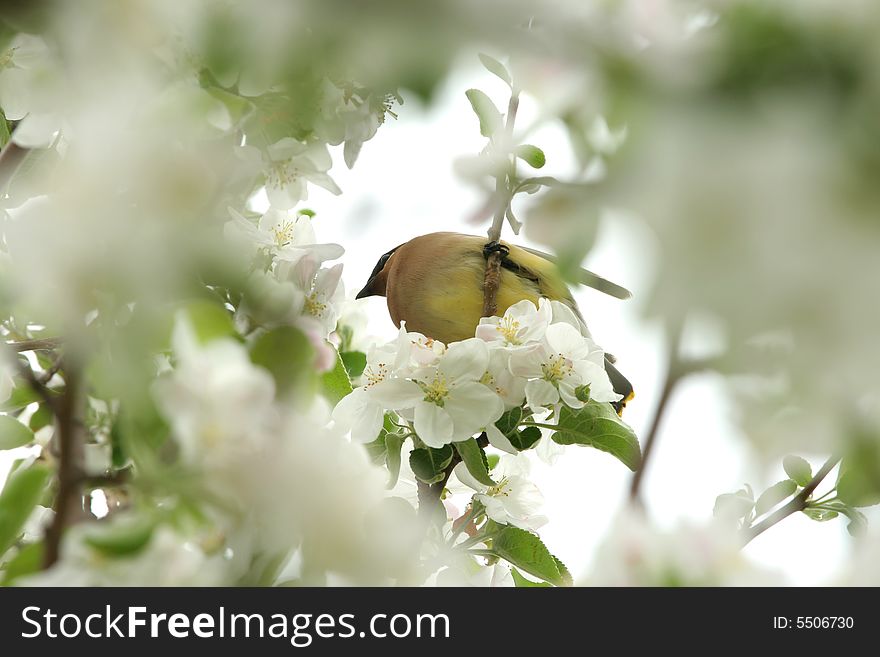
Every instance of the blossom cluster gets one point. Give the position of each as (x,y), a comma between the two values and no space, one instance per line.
(542,355)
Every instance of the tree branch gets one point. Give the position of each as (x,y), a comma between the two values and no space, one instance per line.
(67,498)
(673,376)
(798,503)
(44,344)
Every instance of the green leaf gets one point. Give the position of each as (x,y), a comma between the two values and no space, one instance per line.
(820,515)
(474,459)
(774,495)
(525,439)
(484,108)
(798,469)
(239,108)
(4,129)
(858,483)
(428,463)
(393,444)
(27,561)
(23,491)
(526,551)
(336,383)
(508,423)
(13,433)
(287,353)
(22,395)
(355,362)
(496,68)
(523,583)
(531,155)
(598,425)
(121,537)
(857,525)
(42,417)
(210,321)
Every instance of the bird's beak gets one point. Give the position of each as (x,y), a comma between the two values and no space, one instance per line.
(368,290)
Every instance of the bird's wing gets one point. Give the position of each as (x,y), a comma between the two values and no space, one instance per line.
(588,278)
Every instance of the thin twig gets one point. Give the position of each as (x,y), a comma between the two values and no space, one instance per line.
(43,344)
(674,373)
(798,503)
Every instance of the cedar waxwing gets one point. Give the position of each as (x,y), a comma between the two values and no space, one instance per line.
(435,284)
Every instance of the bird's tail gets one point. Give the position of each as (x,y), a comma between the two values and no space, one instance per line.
(620,383)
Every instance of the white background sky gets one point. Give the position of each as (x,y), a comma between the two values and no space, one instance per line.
(403,185)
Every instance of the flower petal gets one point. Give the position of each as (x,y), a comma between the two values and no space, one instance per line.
(465,361)
(433,425)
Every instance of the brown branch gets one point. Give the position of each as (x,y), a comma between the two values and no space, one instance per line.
(675,372)
(44,344)
(67,499)
(798,503)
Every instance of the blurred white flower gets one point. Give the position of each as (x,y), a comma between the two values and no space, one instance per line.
(635,553)
(288,165)
(168,560)
(514,500)
(499,378)
(322,287)
(215,399)
(288,238)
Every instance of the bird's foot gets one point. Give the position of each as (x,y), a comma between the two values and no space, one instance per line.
(496,247)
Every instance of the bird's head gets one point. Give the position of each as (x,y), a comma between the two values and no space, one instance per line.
(378,280)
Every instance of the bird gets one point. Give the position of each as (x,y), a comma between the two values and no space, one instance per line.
(434,283)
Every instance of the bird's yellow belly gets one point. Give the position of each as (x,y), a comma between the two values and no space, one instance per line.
(452,311)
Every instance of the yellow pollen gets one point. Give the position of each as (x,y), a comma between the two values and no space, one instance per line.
(437,391)
(282,174)
(376,376)
(499,490)
(508,327)
(556,367)
(314,307)
(283,233)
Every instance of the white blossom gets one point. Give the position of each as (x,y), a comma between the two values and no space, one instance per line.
(286,237)
(514,500)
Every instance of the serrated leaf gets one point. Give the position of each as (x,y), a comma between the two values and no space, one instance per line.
(857,525)
(393,445)
(522,583)
(525,551)
(487,113)
(496,68)
(598,425)
(355,362)
(508,423)
(428,464)
(336,383)
(121,537)
(23,491)
(531,155)
(798,469)
(474,459)
(774,495)
(13,433)
(288,355)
